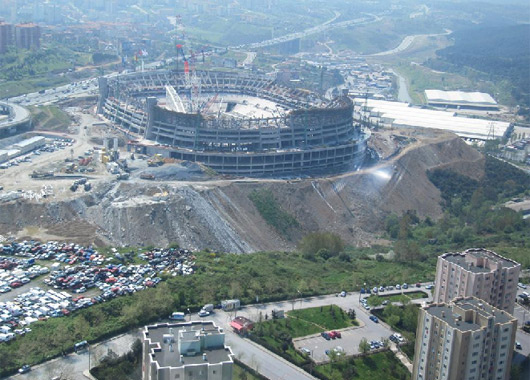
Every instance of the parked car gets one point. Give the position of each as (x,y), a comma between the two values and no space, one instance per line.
(374,318)
(204,313)
(337,334)
(24,369)
(518,346)
(325,335)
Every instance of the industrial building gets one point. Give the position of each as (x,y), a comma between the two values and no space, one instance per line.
(402,115)
(192,350)
(466,339)
(479,273)
(461,99)
(22,147)
(235,123)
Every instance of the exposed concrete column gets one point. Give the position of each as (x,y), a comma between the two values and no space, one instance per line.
(151,103)
(103,93)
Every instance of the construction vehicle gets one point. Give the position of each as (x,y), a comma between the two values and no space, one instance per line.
(156,160)
(147,176)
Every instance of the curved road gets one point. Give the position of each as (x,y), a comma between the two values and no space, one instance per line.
(406,43)
(328,25)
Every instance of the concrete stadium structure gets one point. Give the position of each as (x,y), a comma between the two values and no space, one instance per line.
(234,123)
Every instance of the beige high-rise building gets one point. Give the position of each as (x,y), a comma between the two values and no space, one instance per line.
(479,273)
(464,340)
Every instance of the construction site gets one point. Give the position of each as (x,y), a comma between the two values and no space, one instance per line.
(234,123)
(136,199)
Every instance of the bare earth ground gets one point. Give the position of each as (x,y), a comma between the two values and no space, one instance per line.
(218,213)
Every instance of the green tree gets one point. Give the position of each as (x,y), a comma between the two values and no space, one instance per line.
(364,346)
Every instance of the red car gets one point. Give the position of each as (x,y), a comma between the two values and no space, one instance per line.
(15,284)
(337,334)
(332,334)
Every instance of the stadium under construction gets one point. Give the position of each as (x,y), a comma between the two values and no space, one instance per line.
(233,122)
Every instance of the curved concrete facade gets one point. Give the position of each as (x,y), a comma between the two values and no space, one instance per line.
(308,134)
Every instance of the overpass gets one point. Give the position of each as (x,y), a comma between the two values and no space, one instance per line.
(17,119)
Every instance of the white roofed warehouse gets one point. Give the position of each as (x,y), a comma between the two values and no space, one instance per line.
(401,115)
(461,99)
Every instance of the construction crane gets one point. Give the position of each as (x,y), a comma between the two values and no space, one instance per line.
(206,107)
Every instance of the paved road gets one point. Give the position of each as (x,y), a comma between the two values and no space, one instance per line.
(328,25)
(73,365)
(255,356)
(406,43)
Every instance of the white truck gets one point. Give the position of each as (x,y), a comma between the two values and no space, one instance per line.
(229,305)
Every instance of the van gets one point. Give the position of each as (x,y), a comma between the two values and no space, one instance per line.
(178,316)
(208,307)
(80,346)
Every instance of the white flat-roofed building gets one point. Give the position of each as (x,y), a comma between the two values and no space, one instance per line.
(474,100)
(479,273)
(401,115)
(466,339)
(186,351)
(30,144)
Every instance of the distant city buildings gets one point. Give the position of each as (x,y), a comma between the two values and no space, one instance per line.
(27,36)
(6,36)
(466,339)
(192,350)
(479,273)
(23,36)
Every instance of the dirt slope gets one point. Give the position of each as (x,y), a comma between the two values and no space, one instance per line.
(219,215)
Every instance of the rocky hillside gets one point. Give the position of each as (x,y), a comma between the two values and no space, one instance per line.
(220,215)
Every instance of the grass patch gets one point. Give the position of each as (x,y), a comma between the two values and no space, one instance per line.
(329,317)
(240,373)
(376,300)
(403,319)
(277,336)
(272,212)
(408,349)
(383,365)
(50,118)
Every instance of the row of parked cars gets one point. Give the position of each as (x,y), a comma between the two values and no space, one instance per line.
(16,272)
(384,288)
(331,335)
(85,271)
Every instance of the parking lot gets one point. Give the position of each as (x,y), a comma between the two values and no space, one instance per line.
(77,277)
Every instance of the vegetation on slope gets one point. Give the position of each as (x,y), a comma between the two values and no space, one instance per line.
(272,212)
(495,51)
(50,118)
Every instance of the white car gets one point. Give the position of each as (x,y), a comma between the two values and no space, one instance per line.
(521,285)
(204,313)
